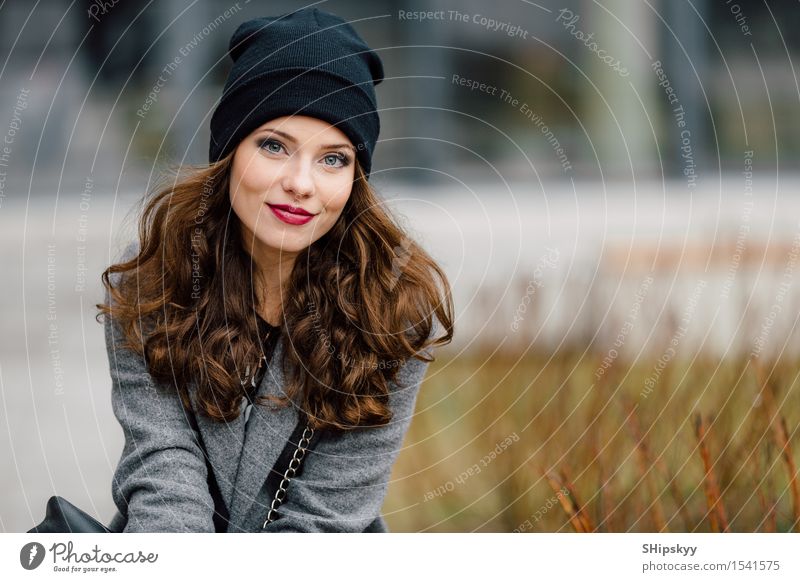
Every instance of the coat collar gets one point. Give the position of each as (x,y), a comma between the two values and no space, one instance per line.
(266,435)
(242,456)
(223,442)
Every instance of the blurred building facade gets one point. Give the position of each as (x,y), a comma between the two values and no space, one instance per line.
(570,89)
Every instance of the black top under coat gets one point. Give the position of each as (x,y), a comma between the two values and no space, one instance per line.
(267,338)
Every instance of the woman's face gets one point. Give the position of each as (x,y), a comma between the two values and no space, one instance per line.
(290,181)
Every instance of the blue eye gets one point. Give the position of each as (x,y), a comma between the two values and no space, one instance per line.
(270,142)
(338,157)
(332,160)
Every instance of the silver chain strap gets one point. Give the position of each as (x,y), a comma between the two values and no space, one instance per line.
(297,457)
(294,464)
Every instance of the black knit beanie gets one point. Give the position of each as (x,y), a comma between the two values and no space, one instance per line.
(308,62)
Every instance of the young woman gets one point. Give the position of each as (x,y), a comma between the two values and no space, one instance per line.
(272,293)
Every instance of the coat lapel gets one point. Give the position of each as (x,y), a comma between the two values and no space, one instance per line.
(266,434)
(223,442)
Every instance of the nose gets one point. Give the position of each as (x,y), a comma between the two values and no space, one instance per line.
(297,176)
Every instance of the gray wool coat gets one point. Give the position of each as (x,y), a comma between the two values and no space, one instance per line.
(160,483)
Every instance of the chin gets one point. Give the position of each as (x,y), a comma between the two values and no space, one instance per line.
(286,245)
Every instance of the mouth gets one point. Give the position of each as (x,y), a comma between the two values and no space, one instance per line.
(291,214)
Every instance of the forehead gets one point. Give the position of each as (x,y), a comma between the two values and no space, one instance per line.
(304,129)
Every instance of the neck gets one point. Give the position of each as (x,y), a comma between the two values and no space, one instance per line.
(272,269)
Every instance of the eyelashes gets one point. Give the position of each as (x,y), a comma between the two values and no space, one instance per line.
(343,159)
(265,143)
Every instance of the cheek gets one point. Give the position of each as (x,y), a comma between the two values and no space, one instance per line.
(248,176)
(336,198)
(334,205)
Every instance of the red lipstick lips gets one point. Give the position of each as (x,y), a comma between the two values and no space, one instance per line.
(291,214)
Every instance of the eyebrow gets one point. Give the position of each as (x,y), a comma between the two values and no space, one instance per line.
(292,139)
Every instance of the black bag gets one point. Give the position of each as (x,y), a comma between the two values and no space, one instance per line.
(63,517)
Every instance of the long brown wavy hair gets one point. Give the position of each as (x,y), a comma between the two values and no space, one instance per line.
(359,302)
